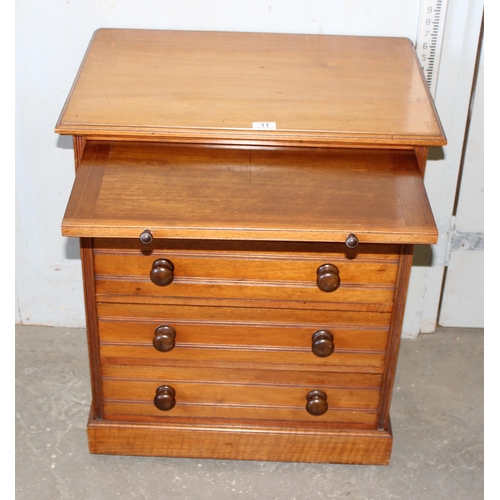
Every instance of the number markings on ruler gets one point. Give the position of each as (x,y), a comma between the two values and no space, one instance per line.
(430,37)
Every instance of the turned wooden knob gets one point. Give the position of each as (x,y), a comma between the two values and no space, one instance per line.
(146,237)
(165,398)
(316,403)
(322,343)
(162,272)
(328,279)
(352,241)
(164,338)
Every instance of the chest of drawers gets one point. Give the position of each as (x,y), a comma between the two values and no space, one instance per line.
(244,280)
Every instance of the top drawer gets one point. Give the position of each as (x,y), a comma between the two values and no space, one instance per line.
(318,274)
(249,193)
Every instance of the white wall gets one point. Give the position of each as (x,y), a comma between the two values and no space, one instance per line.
(453,93)
(462,303)
(51,38)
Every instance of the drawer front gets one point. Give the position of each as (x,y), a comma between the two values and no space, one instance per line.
(240,335)
(207,335)
(240,394)
(241,323)
(248,272)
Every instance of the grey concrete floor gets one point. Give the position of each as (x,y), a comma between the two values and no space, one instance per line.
(437,418)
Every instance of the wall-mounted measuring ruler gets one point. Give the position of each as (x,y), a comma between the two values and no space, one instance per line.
(430,39)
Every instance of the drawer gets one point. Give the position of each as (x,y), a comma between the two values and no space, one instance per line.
(243,335)
(209,335)
(255,194)
(240,394)
(266,272)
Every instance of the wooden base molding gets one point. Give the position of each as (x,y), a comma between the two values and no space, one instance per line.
(233,443)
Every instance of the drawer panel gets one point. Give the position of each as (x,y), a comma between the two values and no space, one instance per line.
(236,414)
(227,315)
(242,335)
(247,271)
(376,265)
(261,377)
(240,395)
(206,356)
(229,399)
(296,292)
(208,335)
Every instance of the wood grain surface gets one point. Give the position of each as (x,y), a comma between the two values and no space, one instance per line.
(187,314)
(241,335)
(268,441)
(294,194)
(212,86)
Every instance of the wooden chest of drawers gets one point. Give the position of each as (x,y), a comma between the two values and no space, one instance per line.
(245,281)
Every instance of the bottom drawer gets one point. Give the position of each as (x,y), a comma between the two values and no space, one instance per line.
(130,392)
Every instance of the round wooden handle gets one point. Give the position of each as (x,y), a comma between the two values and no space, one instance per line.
(162,272)
(328,279)
(352,241)
(146,237)
(322,343)
(164,338)
(165,398)
(316,403)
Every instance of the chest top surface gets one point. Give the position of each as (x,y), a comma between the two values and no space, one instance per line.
(213,86)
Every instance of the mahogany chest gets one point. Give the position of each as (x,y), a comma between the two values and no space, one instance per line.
(247,206)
